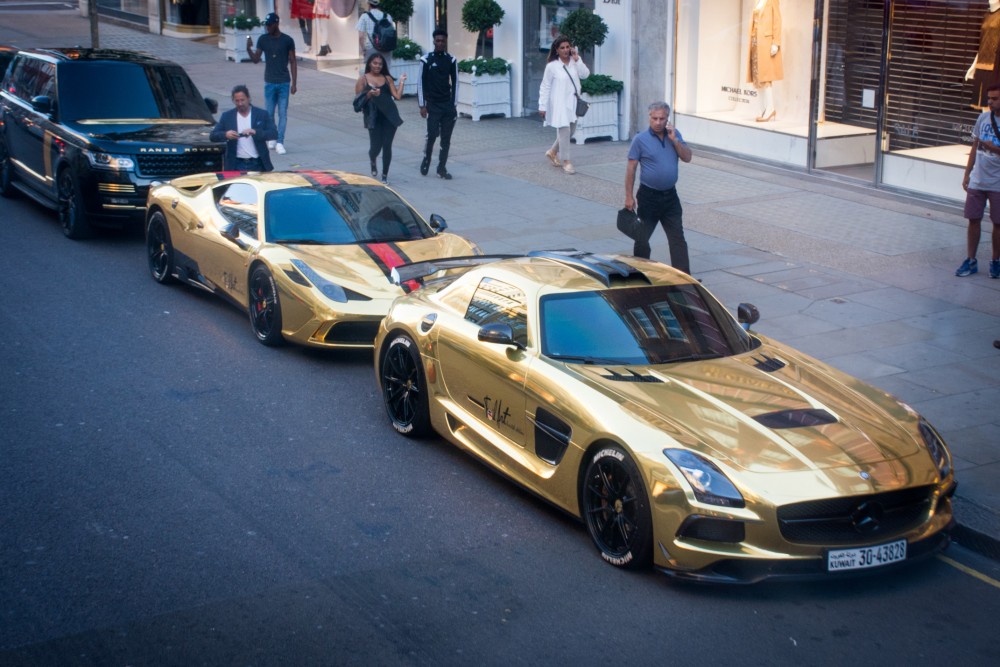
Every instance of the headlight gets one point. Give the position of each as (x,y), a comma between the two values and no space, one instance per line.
(109,162)
(936,448)
(709,484)
(330,290)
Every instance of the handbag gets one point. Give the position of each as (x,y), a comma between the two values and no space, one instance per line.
(582,106)
(628,223)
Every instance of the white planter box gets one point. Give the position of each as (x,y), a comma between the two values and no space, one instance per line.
(410,68)
(235,42)
(483,95)
(601,120)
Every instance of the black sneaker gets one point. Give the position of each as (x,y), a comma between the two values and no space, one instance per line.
(425,166)
(443,173)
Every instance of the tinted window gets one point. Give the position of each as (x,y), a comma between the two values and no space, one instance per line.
(639,325)
(341,214)
(497,302)
(237,202)
(31,77)
(120,90)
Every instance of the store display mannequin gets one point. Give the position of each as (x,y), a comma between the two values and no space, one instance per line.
(765,64)
(983,71)
(303,11)
(321,26)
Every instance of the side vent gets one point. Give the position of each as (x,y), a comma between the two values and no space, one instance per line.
(552,436)
(795,418)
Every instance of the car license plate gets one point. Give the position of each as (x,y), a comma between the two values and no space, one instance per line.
(838,560)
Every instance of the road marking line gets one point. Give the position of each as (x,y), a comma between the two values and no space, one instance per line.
(968,570)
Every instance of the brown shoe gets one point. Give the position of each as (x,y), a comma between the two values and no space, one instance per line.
(553,158)
(568,168)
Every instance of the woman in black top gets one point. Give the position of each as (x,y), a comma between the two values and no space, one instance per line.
(381,91)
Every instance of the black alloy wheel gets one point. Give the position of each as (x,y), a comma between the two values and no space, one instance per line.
(404,388)
(72,216)
(159,251)
(265,309)
(616,509)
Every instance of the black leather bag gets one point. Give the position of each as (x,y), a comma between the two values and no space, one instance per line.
(628,223)
(582,107)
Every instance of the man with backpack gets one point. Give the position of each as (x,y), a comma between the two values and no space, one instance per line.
(376,33)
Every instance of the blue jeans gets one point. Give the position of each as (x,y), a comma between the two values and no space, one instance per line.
(276,95)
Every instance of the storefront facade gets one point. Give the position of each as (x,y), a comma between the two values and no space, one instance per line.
(880,91)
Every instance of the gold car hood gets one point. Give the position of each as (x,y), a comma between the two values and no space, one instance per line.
(365,267)
(749,410)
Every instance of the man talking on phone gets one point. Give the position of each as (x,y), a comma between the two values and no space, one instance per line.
(657,151)
(246,130)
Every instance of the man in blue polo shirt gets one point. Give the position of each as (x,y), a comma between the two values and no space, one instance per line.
(657,150)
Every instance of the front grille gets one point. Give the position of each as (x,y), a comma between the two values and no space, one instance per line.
(352,333)
(162,165)
(838,521)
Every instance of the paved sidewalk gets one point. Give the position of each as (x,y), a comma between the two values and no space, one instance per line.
(861,279)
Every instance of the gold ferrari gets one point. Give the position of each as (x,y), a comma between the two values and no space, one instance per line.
(621,391)
(307,254)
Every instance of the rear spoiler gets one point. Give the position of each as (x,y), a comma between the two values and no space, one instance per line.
(418,270)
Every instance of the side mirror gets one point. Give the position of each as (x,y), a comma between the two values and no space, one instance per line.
(437,223)
(42,104)
(498,333)
(213,106)
(747,314)
(231,232)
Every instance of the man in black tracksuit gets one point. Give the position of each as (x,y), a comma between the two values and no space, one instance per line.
(437,83)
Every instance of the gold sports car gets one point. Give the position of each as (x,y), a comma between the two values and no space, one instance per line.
(621,391)
(308,254)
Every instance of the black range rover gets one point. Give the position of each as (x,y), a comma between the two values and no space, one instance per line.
(85,131)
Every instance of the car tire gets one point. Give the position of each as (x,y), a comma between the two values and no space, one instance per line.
(616,509)
(72,216)
(404,387)
(265,308)
(7,188)
(159,250)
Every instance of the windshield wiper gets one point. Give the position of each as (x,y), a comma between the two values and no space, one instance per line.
(300,241)
(588,360)
(694,357)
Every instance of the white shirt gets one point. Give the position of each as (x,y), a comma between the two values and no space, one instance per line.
(245,147)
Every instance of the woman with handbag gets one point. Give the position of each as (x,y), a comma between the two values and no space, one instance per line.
(559,102)
(376,90)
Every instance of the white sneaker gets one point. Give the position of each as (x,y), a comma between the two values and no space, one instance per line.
(271,144)
(280,149)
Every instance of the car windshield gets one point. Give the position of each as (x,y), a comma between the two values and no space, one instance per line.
(337,214)
(639,325)
(122,91)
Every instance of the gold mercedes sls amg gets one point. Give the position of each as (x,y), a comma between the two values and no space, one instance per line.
(308,254)
(621,391)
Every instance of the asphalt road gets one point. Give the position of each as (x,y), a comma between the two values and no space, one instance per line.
(175,493)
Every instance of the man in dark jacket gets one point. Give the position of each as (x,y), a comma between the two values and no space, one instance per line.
(437,83)
(246,130)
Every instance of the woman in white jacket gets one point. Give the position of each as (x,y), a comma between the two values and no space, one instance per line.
(557,98)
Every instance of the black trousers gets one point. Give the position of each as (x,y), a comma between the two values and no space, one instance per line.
(380,141)
(441,117)
(661,207)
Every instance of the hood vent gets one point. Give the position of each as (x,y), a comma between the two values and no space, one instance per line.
(631,377)
(768,364)
(796,418)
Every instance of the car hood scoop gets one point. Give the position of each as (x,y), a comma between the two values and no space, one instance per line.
(794,414)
